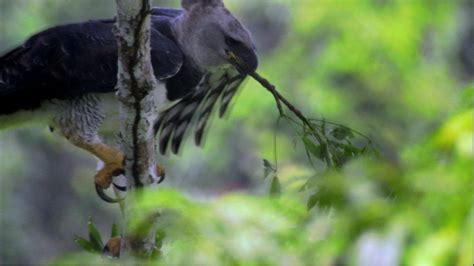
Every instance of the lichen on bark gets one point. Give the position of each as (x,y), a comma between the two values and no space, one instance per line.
(135,85)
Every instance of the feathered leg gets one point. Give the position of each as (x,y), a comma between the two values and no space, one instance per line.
(112,158)
(79,121)
(113,165)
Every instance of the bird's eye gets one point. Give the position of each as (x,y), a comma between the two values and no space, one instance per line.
(231,41)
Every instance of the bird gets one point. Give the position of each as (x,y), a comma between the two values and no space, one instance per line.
(66,76)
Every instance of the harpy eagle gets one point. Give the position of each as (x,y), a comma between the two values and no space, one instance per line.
(66,74)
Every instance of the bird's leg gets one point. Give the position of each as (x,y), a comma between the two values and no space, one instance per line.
(113,163)
(113,166)
(113,160)
(79,121)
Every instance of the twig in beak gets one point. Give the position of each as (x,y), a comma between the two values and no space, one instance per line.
(279,99)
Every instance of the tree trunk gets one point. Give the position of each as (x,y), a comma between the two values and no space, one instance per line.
(137,111)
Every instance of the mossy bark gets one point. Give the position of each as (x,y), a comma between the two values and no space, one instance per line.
(137,111)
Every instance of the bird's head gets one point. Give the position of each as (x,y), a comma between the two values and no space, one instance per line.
(213,37)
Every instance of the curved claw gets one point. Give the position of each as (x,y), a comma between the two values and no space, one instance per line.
(124,189)
(162,178)
(105,197)
(162,173)
(120,188)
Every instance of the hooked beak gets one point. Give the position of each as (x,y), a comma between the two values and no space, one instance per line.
(244,59)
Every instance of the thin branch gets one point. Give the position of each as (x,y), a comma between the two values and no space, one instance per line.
(306,122)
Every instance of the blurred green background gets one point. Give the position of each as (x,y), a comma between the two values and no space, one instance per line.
(400,71)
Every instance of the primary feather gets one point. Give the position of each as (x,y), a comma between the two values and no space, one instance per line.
(196,108)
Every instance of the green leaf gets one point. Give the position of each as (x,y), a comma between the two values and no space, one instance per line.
(275,187)
(337,155)
(86,245)
(314,149)
(159,238)
(115,231)
(94,235)
(351,150)
(342,132)
(312,201)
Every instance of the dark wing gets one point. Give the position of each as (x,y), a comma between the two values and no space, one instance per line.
(68,61)
(166,12)
(196,108)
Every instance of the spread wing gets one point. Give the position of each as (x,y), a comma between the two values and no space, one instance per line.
(195,109)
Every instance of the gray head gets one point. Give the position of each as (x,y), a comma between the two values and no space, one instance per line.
(211,35)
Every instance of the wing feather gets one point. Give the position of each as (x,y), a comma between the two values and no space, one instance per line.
(71,60)
(229,94)
(194,110)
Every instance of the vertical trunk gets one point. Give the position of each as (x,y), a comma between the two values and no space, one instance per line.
(137,109)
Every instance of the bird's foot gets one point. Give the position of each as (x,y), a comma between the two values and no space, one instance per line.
(160,171)
(103,180)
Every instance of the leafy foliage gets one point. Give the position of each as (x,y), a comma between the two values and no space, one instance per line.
(94,244)
(333,147)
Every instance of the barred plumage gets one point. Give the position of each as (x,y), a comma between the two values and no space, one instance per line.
(197,108)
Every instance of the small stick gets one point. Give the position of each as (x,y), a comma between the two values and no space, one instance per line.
(235,60)
(271,88)
(279,99)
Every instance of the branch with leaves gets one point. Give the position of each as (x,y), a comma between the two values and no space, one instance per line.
(331,143)
(332,146)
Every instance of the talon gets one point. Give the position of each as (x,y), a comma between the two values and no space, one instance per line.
(160,171)
(105,197)
(120,188)
(112,248)
(103,178)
